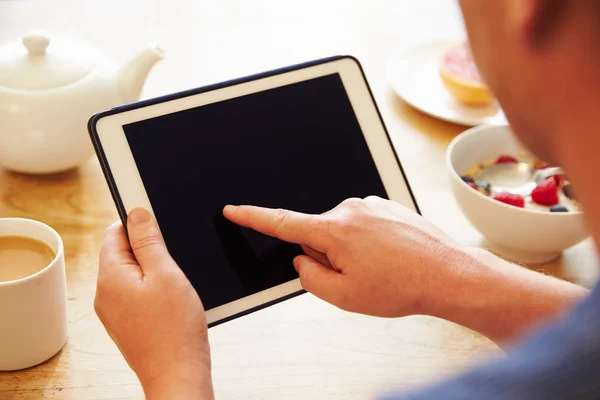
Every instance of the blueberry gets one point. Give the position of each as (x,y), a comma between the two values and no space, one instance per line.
(568,191)
(467,179)
(558,208)
(484,187)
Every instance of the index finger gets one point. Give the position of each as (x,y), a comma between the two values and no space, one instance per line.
(289,226)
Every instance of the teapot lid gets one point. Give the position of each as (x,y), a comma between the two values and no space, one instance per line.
(37,63)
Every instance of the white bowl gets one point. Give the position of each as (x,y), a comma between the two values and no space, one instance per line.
(520,235)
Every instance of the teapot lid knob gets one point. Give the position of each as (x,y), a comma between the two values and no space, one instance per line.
(36,43)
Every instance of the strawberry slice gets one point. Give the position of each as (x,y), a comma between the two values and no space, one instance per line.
(546,192)
(559,179)
(511,199)
(504,159)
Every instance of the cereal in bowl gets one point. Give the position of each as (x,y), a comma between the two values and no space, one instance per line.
(554,194)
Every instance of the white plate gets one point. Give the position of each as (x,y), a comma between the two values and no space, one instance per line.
(414,76)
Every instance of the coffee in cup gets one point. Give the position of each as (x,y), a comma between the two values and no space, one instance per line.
(33,293)
(22,256)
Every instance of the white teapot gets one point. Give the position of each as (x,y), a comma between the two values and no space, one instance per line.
(49,88)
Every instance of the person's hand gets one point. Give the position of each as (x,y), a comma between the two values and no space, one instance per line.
(152,312)
(371,256)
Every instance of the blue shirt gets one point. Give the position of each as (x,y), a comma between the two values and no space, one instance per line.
(560,362)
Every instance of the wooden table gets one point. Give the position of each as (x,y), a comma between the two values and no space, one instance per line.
(302,348)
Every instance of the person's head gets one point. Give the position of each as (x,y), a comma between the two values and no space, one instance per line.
(541,58)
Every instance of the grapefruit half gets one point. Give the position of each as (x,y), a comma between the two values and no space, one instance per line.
(461,76)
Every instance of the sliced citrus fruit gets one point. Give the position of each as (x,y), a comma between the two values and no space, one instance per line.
(461,76)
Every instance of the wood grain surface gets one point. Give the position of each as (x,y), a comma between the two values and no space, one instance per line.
(302,348)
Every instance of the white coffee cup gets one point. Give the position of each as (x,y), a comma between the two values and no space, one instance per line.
(33,309)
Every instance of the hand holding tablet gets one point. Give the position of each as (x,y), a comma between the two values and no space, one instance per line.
(303,138)
(370,256)
(151,310)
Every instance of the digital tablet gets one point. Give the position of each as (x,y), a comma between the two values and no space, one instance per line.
(304,138)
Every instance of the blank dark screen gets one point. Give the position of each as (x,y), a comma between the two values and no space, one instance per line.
(297,147)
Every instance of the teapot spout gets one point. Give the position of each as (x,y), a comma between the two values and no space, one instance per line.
(132,75)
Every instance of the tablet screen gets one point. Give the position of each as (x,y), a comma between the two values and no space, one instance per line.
(298,147)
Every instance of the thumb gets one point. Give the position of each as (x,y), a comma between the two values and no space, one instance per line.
(323,282)
(146,241)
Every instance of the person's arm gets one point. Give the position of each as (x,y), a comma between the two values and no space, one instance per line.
(189,384)
(152,312)
(498,299)
(377,257)
(559,362)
